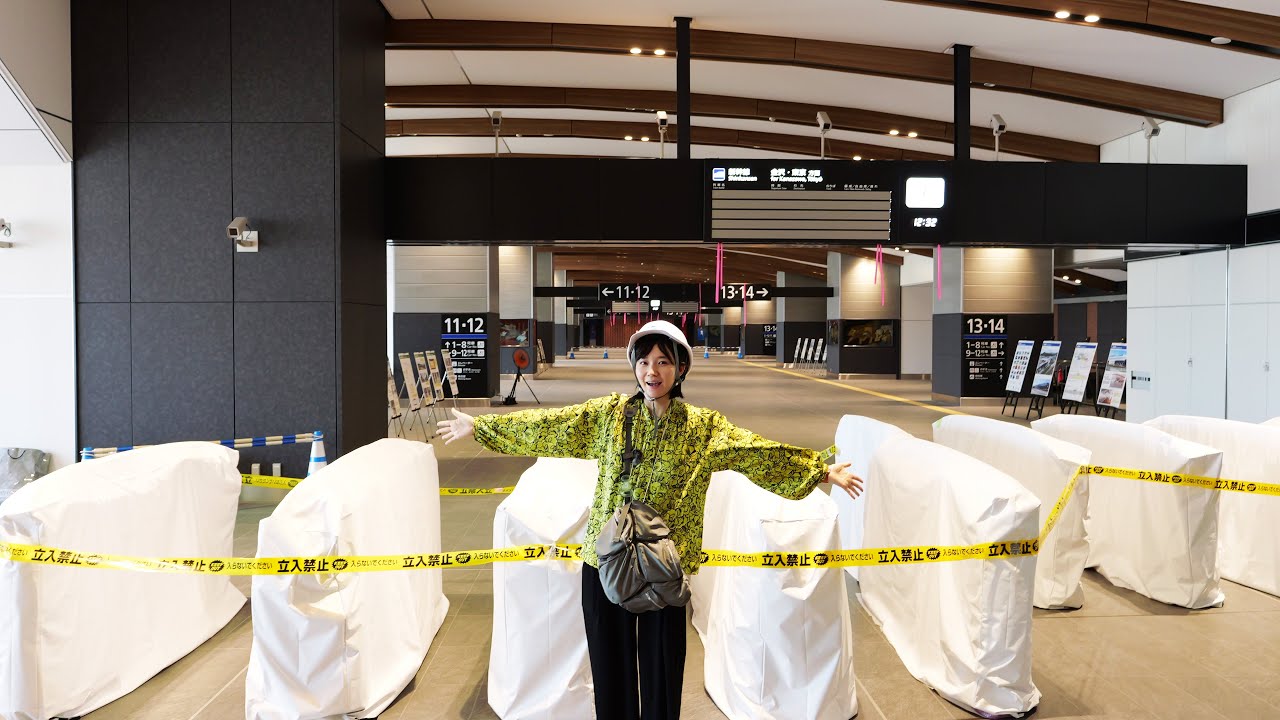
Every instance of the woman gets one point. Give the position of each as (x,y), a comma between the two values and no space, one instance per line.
(680,446)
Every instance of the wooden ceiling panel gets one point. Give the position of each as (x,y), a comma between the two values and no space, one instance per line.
(846,57)
(1212,20)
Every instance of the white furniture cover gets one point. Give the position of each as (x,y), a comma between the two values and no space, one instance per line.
(538,665)
(1044,465)
(346,644)
(1273,422)
(778,642)
(74,639)
(963,628)
(857,439)
(1248,547)
(1157,540)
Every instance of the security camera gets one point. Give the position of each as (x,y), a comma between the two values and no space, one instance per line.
(495,119)
(1150,128)
(662,118)
(824,121)
(237,227)
(998,125)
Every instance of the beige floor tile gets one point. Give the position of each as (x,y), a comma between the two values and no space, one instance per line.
(180,690)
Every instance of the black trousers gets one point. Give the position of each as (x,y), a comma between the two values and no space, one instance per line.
(620,642)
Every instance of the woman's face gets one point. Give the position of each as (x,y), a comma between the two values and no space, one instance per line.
(656,373)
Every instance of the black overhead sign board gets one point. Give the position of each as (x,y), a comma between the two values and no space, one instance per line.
(523,200)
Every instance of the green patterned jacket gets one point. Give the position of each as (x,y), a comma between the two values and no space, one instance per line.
(678,456)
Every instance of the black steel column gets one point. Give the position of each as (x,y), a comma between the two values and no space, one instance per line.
(960,112)
(682,88)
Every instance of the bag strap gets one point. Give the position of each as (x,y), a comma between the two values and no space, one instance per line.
(630,455)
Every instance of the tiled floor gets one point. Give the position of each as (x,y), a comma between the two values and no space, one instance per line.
(1121,656)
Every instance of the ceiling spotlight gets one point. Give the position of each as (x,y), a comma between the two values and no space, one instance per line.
(1091,18)
(1062,14)
(644,138)
(659,52)
(907,251)
(857,157)
(893,132)
(1219,40)
(1064,277)
(627,137)
(988,85)
(913,133)
(1077,281)
(547,135)
(635,51)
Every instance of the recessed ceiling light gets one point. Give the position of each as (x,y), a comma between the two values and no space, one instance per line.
(635,51)
(1062,14)
(988,84)
(913,133)
(1064,277)
(1077,282)
(644,138)
(1091,18)
(626,137)
(1219,40)
(893,132)
(547,135)
(907,251)
(857,157)
(659,52)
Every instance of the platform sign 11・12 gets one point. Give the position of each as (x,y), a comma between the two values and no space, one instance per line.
(466,337)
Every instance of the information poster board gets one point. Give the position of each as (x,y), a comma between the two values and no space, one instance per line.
(437,387)
(424,379)
(771,339)
(1018,369)
(449,375)
(467,340)
(983,341)
(411,385)
(1078,374)
(1043,377)
(393,397)
(1111,392)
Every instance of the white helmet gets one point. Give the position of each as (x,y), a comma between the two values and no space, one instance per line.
(661,327)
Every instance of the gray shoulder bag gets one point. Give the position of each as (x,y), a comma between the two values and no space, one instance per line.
(639,564)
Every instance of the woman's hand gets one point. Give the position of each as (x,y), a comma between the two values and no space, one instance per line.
(463,425)
(840,475)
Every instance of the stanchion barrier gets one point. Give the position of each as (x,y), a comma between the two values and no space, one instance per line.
(91,453)
(864,557)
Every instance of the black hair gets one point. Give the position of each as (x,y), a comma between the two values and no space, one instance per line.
(670,348)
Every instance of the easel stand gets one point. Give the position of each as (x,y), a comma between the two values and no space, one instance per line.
(510,399)
(1105,411)
(1070,407)
(1037,405)
(1011,399)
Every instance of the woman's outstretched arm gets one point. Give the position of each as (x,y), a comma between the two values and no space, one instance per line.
(572,431)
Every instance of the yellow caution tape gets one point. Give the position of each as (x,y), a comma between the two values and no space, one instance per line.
(873,556)
(1196,481)
(287,483)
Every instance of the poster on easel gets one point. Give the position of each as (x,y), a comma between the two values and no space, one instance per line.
(406,368)
(449,374)
(393,397)
(1111,391)
(1018,370)
(1078,374)
(437,386)
(424,379)
(1048,359)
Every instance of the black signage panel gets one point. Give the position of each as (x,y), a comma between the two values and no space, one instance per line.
(466,337)
(983,346)
(771,339)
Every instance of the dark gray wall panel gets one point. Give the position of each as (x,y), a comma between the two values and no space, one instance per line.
(295,218)
(179,61)
(947,365)
(105,413)
(1113,320)
(362,401)
(100,63)
(286,368)
(182,372)
(361,63)
(282,61)
(102,211)
(362,275)
(179,207)
(1072,324)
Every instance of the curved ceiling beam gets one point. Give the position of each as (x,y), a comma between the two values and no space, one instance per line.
(822,54)
(605,130)
(1196,23)
(842,118)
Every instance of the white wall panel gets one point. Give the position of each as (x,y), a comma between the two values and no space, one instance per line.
(1142,283)
(37,310)
(515,281)
(1272,367)
(917,330)
(1207,278)
(1250,281)
(1207,347)
(1246,374)
(1141,329)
